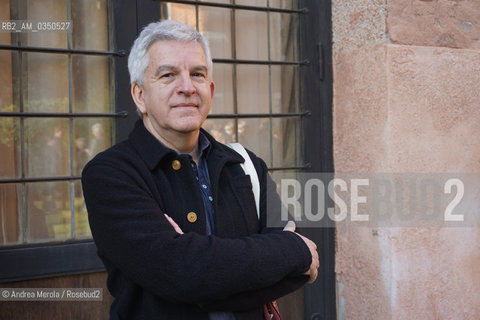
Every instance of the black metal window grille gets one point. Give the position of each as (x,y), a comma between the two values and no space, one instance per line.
(21,119)
(288,116)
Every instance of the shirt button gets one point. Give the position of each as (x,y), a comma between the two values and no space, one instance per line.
(191,217)
(176,165)
(210,198)
(204,186)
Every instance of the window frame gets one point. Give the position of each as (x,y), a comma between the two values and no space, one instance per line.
(80,257)
(55,258)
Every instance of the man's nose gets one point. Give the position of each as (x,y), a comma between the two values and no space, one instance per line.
(186,85)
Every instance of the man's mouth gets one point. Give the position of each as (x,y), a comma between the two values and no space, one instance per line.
(185,105)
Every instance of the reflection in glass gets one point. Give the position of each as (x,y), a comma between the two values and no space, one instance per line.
(283,36)
(45,10)
(215,25)
(286,149)
(10,231)
(251,35)
(48,211)
(55,146)
(91,136)
(255,136)
(222,130)
(47,147)
(223,78)
(82,228)
(257,3)
(285,86)
(284,4)
(45,82)
(90,84)
(182,13)
(252,86)
(88,17)
(9,147)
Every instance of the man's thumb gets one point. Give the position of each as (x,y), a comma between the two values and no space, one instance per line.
(290,226)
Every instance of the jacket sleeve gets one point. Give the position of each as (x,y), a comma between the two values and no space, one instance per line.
(251,299)
(132,234)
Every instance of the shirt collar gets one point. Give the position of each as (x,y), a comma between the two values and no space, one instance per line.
(152,151)
(203,146)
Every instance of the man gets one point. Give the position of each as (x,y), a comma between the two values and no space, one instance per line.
(171,210)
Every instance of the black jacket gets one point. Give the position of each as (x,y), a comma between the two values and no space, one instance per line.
(155,273)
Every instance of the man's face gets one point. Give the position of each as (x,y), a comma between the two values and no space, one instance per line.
(177,93)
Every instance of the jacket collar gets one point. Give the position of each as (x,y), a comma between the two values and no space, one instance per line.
(152,151)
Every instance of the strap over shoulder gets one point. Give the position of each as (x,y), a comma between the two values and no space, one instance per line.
(249,169)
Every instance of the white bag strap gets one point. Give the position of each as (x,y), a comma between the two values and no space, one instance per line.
(249,169)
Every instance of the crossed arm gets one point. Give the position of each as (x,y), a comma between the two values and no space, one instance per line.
(312,271)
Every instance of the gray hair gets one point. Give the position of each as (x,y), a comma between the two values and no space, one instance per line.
(169,30)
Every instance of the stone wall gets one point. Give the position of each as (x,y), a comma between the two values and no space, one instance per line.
(407,99)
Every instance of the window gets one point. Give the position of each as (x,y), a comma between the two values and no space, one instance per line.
(272,69)
(58,106)
(256,69)
(55,114)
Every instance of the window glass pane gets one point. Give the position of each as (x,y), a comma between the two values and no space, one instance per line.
(182,13)
(9,127)
(45,10)
(48,211)
(252,86)
(4,13)
(283,36)
(286,138)
(215,24)
(217,1)
(45,82)
(82,228)
(285,4)
(10,212)
(223,130)
(90,84)
(47,147)
(9,147)
(8,79)
(223,78)
(251,35)
(255,135)
(285,95)
(88,17)
(257,3)
(91,136)
(51,147)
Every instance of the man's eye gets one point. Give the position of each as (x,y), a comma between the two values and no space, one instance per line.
(198,74)
(166,75)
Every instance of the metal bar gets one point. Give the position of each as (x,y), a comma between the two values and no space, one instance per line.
(233,31)
(301,167)
(258,115)
(39,179)
(120,53)
(262,62)
(120,114)
(237,6)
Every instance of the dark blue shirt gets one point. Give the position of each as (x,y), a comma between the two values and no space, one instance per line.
(203,177)
(201,171)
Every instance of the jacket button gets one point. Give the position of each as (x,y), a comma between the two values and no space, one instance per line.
(191,217)
(176,165)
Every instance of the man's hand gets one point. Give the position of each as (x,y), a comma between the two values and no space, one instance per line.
(174,224)
(313,271)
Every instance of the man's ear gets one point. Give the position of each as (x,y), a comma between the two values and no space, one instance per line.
(137,94)
(212,88)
